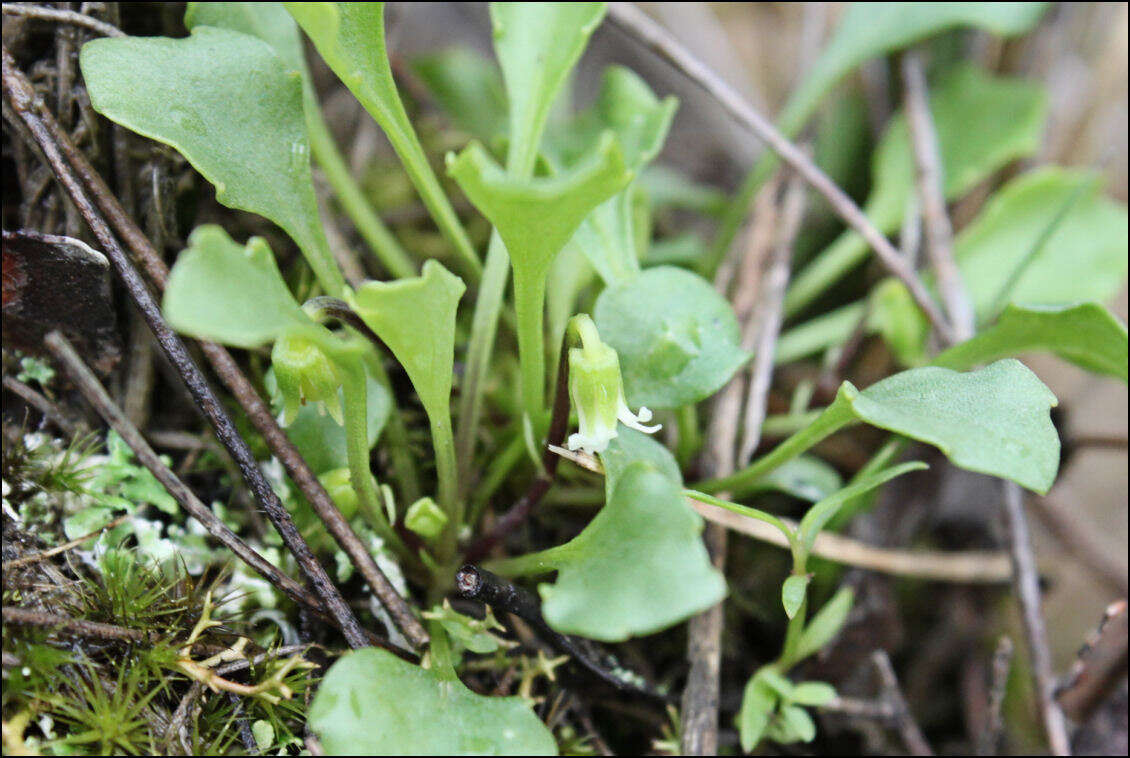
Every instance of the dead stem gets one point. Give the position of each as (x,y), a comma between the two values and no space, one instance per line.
(1026,584)
(936,222)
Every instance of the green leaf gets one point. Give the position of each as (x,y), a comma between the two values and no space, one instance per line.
(825,625)
(535,218)
(373,703)
(677,338)
(637,568)
(249,141)
(982,122)
(223,292)
(1087,335)
(630,446)
(993,421)
(627,107)
(468,87)
(1084,259)
(271,23)
(819,514)
(415,318)
(796,725)
(759,702)
(263,733)
(350,37)
(870,30)
(896,317)
(537,45)
(792,593)
(813,693)
(268,21)
(805,477)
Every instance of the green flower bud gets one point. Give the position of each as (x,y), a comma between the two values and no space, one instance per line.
(425,518)
(304,373)
(597,391)
(340,489)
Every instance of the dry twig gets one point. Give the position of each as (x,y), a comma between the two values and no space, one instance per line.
(1026,583)
(889,685)
(63,16)
(989,739)
(939,232)
(962,567)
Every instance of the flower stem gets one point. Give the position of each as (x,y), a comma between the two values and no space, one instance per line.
(382,242)
(357,452)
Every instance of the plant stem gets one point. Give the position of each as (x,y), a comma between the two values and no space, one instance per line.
(745,510)
(357,452)
(382,242)
(541,562)
(444,445)
(529,303)
(484,326)
(793,632)
(832,419)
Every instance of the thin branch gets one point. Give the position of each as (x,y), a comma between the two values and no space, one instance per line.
(989,739)
(700,701)
(911,735)
(935,220)
(38,401)
(29,106)
(961,567)
(1026,584)
(63,16)
(765,325)
(1099,666)
(18,616)
(503,596)
(653,36)
(97,396)
(226,368)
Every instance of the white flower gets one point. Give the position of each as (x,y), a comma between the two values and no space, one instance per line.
(596,388)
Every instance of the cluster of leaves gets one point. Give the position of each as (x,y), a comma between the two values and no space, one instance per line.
(571,198)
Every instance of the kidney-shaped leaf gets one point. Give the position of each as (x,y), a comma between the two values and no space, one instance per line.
(225,292)
(373,703)
(639,567)
(1087,335)
(676,336)
(415,317)
(229,105)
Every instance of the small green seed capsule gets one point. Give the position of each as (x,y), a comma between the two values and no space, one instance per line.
(425,518)
(304,373)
